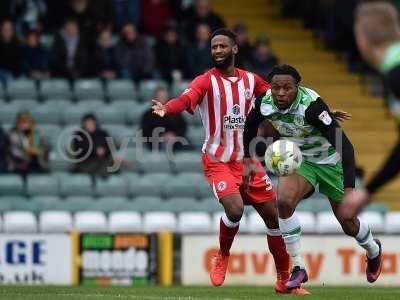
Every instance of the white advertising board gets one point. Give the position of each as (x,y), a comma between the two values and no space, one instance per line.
(330,260)
(35,259)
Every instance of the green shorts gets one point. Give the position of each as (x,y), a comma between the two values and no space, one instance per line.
(328,177)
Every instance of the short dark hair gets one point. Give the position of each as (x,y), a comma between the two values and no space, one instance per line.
(225,32)
(89,116)
(284,70)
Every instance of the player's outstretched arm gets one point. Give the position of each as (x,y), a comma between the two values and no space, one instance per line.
(158,108)
(340,115)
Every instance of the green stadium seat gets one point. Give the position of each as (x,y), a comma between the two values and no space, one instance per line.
(42,184)
(10,202)
(185,185)
(210,205)
(144,204)
(187,162)
(2,91)
(135,112)
(178,88)
(315,204)
(151,184)
(26,104)
(120,132)
(194,120)
(55,89)
(75,185)
(196,135)
(8,113)
(50,112)
(58,161)
(376,207)
(76,203)
(43,203)
(11,185)
(114,185)
(110,114)
(74,114)
(22,88)
(180,204)
(108,204)
(147,88)
(121,89)
(88,89)
(154,162)
(50,134)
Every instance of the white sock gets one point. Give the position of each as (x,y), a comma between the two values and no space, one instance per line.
(273,232)
(291,231)
(364,239)
(228,222)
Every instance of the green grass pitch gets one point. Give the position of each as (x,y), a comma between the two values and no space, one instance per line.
(189,293)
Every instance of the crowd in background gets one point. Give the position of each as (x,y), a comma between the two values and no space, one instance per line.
(132,39)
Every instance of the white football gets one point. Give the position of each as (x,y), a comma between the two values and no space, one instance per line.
(283,158)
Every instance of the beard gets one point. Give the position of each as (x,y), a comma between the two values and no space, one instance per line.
(225,63)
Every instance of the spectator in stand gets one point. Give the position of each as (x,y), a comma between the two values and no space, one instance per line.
(28,153)
(36,60)
(28,14)
(134,56)
(4,146)
(262,59)
(104,62)
(91,139)
(69,53)
(173,126)
(91,15)
(198,55)
(243,42)
(169,53)
(126,11)
(155,15)
(200,13)
(10,52)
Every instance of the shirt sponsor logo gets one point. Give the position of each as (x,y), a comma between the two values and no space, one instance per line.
(298,121)
(325,118)
(236,109)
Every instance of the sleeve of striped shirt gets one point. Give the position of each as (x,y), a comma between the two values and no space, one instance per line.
(190,98)
(260,85)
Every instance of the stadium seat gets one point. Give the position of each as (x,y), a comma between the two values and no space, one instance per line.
(376,207)
(121,89)
(44,203)
(22,88)
(134,114)
(327,223)
(307,221)
(183,185)
(151,184)
(113,185)
(58,161)
(75,185)
(180,204)
(314,204)
(374,219)
(110,114)
(55,222)
(124,221)
(73,114)
(1,224)
(50,133)
(90,221)
(194,222)
(76,203)
(108,204)
(193,120)
(10,202)
(210,204)
(38,184)
(121,133)
(88,89)
(11,185)
(145,204)
(178,88)
(392,222)
(187,162)
(156,221)
(130,157)
(156,162)
(196,135)
(55,89)
(147,88)
(27,104)
(19,222)
(8,113)
(50,112)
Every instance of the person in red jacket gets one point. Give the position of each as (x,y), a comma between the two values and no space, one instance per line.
(224,96)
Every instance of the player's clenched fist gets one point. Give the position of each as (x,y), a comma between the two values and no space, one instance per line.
(158,108)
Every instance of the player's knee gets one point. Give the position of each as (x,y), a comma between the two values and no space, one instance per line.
(285,204)
(348,225)
(235,212)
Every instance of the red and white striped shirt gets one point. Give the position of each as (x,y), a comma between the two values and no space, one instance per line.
(224,103)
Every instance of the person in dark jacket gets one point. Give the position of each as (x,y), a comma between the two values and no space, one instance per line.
(104,62)
(10,52)
(36,59)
